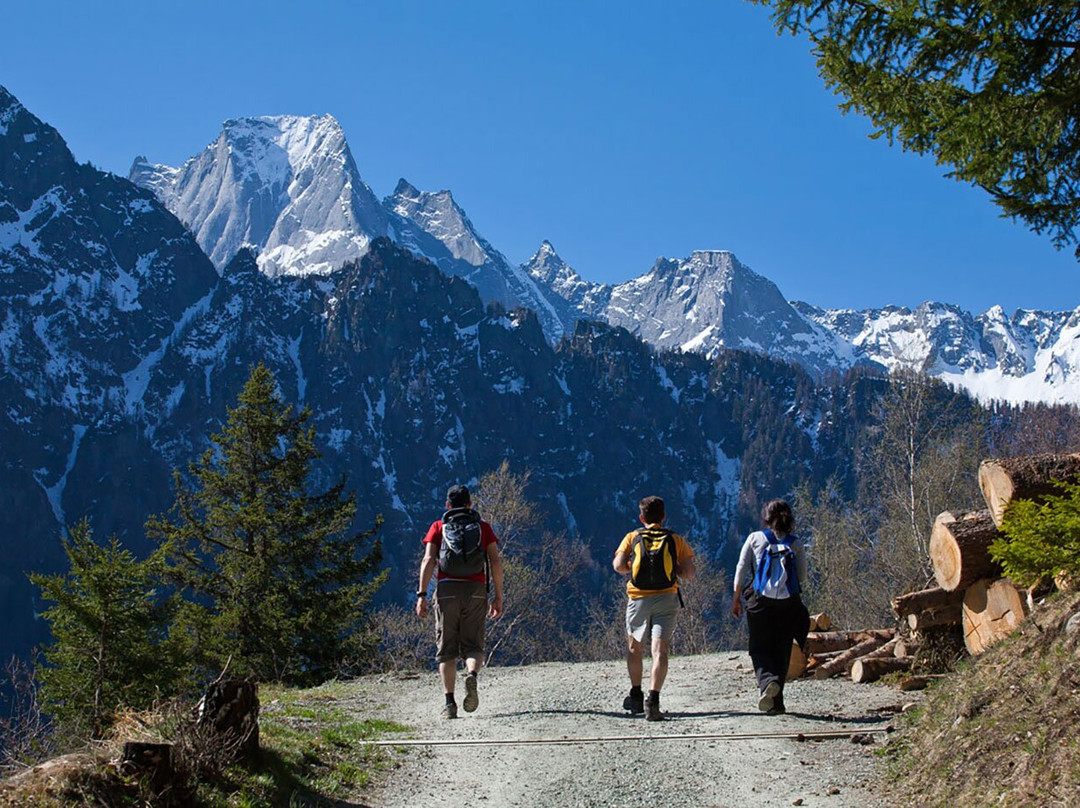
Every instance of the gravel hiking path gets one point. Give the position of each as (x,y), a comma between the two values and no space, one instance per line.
(711,694)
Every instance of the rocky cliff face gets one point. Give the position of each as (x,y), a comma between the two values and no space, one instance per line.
(286,185)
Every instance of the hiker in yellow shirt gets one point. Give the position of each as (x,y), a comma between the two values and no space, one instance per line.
(654,558)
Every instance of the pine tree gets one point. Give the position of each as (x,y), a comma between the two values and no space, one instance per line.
(109,626)
(989,88)
(1041,541)
(280,584)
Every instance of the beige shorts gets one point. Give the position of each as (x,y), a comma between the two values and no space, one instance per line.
(460,612)
(654,615)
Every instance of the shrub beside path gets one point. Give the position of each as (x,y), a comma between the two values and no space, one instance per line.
(704,695)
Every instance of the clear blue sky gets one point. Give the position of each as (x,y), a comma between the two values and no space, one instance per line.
(618,131)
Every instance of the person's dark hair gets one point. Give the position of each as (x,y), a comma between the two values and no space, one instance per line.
(458,497)
(777,515)
(652,509)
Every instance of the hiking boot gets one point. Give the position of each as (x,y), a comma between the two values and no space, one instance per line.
(768,696)
(778,706)
(635,703)
(652,711)
(472,698)
(449,711)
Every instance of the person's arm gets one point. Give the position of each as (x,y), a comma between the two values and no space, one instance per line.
(746,556)
(621,562)
(801,566)
(427,569)
(685,567)
(496,566)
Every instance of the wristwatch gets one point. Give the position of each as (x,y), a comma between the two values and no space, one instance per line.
(421,593)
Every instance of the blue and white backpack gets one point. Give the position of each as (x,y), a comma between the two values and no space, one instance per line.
(777,575)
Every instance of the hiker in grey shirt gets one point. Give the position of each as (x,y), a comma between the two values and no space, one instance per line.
(775,560)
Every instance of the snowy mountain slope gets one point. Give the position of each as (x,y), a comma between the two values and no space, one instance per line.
(703,304)
(711,301)
(286,185)
(586,299)
(97,279)
(464,252)
(1031,356)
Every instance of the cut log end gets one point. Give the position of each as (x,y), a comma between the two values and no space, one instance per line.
(959,548)
(797,663)
(1029,477)
(993,609)
(870,669)
(997,488)
(820,622)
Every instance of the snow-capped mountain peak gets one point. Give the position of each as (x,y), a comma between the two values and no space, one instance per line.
(438,215)
(285,184)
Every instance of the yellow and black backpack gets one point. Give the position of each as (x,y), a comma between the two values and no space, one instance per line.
(652,559)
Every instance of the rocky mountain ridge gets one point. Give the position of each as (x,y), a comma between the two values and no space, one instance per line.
(289,187)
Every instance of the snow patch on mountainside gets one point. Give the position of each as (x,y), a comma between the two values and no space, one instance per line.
(1032,356)
(138,378)
(55,492)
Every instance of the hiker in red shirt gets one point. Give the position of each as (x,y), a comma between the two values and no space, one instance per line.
(464,550)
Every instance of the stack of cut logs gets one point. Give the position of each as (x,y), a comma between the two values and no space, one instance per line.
(867,654)
(970,592)
(990,606)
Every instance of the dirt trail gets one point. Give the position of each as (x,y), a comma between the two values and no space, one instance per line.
(713,694)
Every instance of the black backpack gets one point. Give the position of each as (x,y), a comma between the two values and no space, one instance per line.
(653,558)
(461,553)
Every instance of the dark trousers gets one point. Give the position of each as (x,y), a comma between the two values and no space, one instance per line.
(774,625)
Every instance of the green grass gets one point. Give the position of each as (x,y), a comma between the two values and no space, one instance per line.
(313,752)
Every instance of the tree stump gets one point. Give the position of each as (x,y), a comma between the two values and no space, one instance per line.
(230,708)
(959,549)
(992,611)
(1007,478)
(152,760)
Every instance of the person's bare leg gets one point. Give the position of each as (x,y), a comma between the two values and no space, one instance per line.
(634,665)
(448,674)
(658,674)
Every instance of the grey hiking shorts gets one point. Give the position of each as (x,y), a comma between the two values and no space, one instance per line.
(652,615)
(460,612)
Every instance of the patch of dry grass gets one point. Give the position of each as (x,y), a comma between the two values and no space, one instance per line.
(1003,729)
(313,751)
